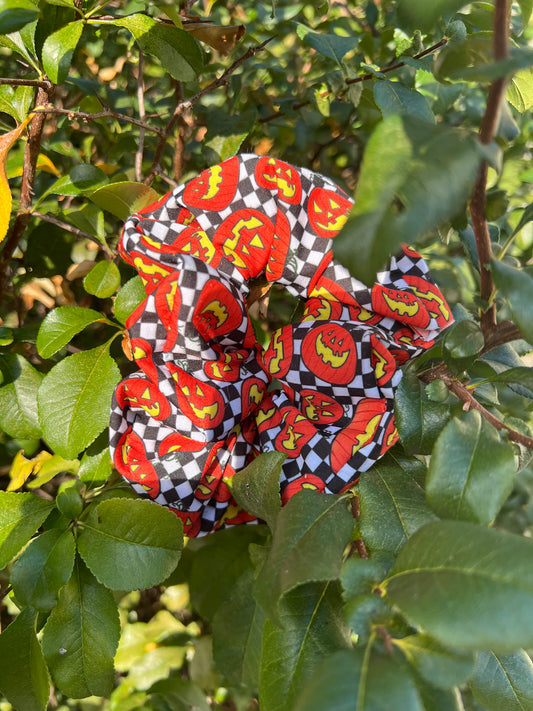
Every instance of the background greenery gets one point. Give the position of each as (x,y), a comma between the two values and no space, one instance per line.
(415,590)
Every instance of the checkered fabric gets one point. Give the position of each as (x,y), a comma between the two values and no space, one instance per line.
(204,401)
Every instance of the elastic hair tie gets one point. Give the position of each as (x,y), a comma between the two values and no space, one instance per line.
(202,404)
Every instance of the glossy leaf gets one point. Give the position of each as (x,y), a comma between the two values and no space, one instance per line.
(14,14)
(517,287)
(520,89)
(436,664)
(421,15)
(393,99)
(176,50)
(58,50)
(80,179)
(81,636)
(124,198)
(130,544)
(311,533)
(467,586)
(462,344)
(24,679)
(21,514)
(128,298)
(103,279)
(256,487)
(61,325)
(43,568)
(74,400)
(333,46)
(18,401)
(177,694)
(95,469)
(471,472)
(419,419)
(503,681)
(312,628)
(393,503)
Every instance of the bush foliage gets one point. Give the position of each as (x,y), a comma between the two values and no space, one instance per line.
(413,591)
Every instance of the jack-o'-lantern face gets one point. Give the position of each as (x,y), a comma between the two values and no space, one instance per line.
(142,354)
(360,432)
(400,305)
(277,357)
(432,299)
(131,462)
(167,306)
(328,212)
(176,442)
(383,363)
(245,238)
(140,393)
(267,415)
(278,248)
(227,367)
(215,187)
(192,521)
(390,437)
(320,408)
(306,481)
(199,401)
(296,431)
(329,352)
(150,272)
(195,241)
(253,391)
(217,311)
(319,308)
(274,174)
(211,479)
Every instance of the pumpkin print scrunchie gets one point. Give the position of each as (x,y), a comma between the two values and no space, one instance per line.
(207,398)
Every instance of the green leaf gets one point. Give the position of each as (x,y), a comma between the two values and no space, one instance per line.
(61,325)
(74,400)
(177,694)
(24,677)
(103,279)
(18,401)
(14,14)
(472,470)
(419,420)
(526,7)
(462,344)
(237,634)
(95,470)
(58,50)
(50,468)
(520,90)
(520,375)
(80,179)
(467,586)
(504,681)
(130,544)
(43,568)
(311,533)
(312,628)
(436,664)
(361,680)
(422,15)
(177,51)
(473,60)
(123,199)
(21,514)
(81,637)
(517,287)
(334,47)
(393,503)
(128,298)
(393,99)
(435,699)
(256,487)
(68,499)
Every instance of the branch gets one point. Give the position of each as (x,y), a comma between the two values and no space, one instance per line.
(99,115)
(186,105)
(142,116)
(41,83)
(73,230)
(487,131)
(470,403)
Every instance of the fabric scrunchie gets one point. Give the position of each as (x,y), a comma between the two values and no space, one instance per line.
(208,398)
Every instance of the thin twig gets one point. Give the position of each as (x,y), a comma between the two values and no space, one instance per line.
(478,202)
(99,115)
(142,116)
(458,389)
(73,230)
(41,83)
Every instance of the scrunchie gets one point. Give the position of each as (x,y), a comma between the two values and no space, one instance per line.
(208,398)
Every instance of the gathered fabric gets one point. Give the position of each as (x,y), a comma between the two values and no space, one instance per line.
(208,398)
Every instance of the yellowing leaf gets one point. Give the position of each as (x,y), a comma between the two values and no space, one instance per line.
(6,141)
(22,468)
(222,38)
(43,163)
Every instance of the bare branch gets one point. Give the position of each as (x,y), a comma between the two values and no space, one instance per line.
(41,83)
(73,230)
(142,116)
(99,115)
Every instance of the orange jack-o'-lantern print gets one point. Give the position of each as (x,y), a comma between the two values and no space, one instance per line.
(278,249)
(200,402)
(306,481)
(432,298)
(150,272)
(131,461)
(253,391)
(176,442)
(155,205)
(382,362)
(360,431)
(214,188)
(217,312)
(328,212)
(192,522)
(227,368)
(142,394)
(390,437)
(276,175)
(328,351)
(296,431)
(318,308)
(278,355)
(319,407)
(167,306)
(268,415)
(244,239)
(142,354)
(196,242)
(400,305)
